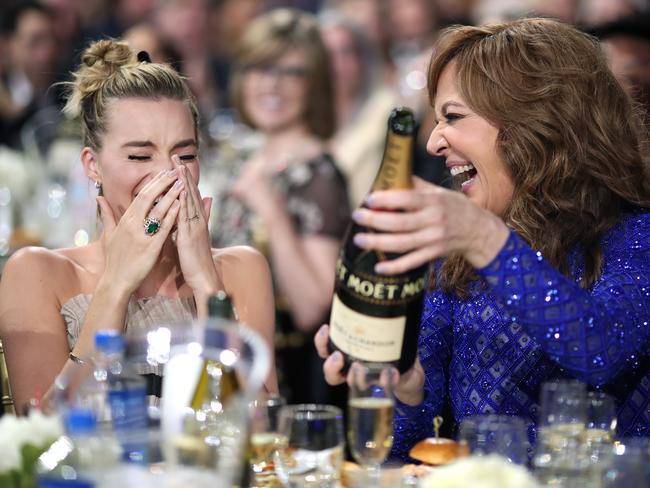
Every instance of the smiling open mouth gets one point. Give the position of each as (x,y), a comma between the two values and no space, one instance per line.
(462,175)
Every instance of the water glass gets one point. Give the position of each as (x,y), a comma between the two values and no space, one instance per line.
(310,453)
(559,458)
(265,438)
(496,434)
(370,415)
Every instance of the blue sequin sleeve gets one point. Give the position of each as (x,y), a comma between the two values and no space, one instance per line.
(413,423)
(594,334)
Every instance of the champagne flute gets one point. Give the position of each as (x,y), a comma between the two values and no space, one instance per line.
(370,415)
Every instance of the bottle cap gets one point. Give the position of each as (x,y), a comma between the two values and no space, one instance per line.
(80,421)
(109,341)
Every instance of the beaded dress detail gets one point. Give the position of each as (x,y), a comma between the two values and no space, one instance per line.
(525,323)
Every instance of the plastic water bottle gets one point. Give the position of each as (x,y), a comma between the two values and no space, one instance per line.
(126,394)
(77,459)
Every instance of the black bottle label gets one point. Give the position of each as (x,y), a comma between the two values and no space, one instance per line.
(370,312)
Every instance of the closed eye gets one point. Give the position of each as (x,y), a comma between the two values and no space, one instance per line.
(451,116)
(188,157)
(133,157)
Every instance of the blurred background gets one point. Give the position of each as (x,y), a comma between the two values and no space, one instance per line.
(378,54)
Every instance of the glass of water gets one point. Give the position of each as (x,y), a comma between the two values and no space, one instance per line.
(370,415)
(310,448)
(265,438)
(496,434)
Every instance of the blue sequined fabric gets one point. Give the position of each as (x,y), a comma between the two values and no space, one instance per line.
(525,323)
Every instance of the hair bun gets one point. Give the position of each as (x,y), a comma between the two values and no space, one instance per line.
(107,55)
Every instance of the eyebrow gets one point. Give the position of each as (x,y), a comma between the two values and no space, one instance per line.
(178,145)
(446,105)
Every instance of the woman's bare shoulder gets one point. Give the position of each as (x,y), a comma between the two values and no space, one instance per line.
(40,269)
(241,255)
(239,263)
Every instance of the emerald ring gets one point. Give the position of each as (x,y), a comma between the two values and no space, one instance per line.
(151,225)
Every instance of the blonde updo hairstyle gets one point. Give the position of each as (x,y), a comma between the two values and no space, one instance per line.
(110,71)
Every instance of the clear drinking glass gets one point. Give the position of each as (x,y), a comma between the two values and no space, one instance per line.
(265,438)
(559,458)
(311,447)
(370,415)
(495,434)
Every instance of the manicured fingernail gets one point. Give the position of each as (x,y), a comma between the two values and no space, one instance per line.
(369,200)
(337,356)
(360,240)
(178,184)
(322,331)
(380,268)
(357,215)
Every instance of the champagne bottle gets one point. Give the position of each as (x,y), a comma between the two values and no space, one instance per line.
(376,318)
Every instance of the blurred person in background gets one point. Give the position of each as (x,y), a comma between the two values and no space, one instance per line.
(289,199)
(153,261)
(362,103)
(627,44)
(185,24)
(599,12)
(28,102)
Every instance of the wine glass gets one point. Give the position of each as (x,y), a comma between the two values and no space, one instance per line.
(310,453)
(495,434)
(370,415)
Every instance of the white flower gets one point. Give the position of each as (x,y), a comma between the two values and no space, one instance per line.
(44,428)
(15,432)
(491,471)
(10,442)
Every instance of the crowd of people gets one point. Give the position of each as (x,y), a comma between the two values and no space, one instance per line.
(531,206)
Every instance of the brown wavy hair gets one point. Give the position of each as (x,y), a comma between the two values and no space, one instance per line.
(271,36)
(571,138)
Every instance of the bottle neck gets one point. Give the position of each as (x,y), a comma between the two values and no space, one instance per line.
(396,165)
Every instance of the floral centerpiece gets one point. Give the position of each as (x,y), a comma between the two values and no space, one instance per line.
(22,441)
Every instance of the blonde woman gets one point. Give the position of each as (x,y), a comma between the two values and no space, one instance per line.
(139,127)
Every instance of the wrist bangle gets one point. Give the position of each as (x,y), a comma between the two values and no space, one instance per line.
(75,359)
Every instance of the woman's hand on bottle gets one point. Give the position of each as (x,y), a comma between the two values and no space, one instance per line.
(130,251)
(193,236)
(408,387)
(431,222)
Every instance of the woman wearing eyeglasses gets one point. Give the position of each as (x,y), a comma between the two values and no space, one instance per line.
(289,200)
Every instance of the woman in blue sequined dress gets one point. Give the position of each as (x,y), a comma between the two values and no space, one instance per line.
(546,247)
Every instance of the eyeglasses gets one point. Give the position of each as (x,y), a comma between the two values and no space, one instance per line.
(293,73)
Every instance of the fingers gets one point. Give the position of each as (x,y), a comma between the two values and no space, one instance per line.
(333,363)
(143,202)
(332,369)
(207,207)
(106,214)
(399,243)
(320,341)
(407,262)
(191,190)
(395,221)
(168,221)
(165,203)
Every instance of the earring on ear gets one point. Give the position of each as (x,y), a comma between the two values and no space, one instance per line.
(98,185)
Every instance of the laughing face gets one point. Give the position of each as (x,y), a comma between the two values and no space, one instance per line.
(141,137)
(468,142)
